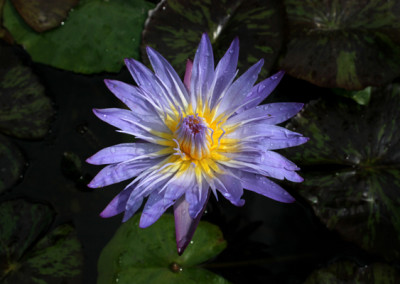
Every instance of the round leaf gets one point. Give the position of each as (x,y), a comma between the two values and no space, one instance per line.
(24,109)
(24,258)
(11,164)
(349,272)
(43,15)
(21,223)
(149,255)
(352,168)
(345,43)
(96,36)
(257,23)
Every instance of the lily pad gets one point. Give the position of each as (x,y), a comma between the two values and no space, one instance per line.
(174,29)
(345,43)
(26,257)
(11,163)
(96,36)
(352,168)
(149,255)
(43,15)
(362,97)
(25,111)
(349,272)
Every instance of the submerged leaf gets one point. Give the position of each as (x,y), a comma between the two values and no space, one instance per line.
(352,168)
(24,258)
(349,272)
(344,44)
(24,109)
(43,15)
(362,97)
(149,255)
(258,25)
(96,36)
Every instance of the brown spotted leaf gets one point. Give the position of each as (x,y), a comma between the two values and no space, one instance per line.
(352,167)
(174,29)
(43,15)
(348,44)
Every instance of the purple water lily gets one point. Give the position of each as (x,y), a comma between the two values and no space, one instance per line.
(201,135)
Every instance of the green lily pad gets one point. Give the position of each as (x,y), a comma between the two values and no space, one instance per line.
(174,29)
(96,36)
(149,255)
(362,97)
(43,15)
(26,256)
(25,111)
(349,272)
(352,168)
(343,44)
(11,164)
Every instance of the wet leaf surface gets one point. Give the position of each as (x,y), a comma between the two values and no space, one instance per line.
(352,168)
(25,111)
(175,27)
(96,37)
(149,255)
(28,257)
(346,44)
(43,15)
(349,272)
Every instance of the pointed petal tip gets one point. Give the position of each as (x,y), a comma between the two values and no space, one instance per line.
(288,198)
(103,214)
(92,185)
(181,245)
(129,62)
(89,160)
(150,51)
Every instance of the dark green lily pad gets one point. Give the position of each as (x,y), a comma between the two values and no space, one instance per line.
(352,168)
(349,272)
(43,15)
(174,29)
(149,255)
(25,111)
(362,96)
(11,163)
(346,43)
(26,256)
(96,37)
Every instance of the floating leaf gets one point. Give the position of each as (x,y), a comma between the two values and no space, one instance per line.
(11,163)
(345,43)
(55,258)
(43,15)
(349,272)
(362,97)
(96,37)
(174,29)
(149,255)
(24,109)
(352,168)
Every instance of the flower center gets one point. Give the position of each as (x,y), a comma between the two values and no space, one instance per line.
(193,137)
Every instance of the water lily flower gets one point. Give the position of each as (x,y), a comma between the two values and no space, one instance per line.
(205,134)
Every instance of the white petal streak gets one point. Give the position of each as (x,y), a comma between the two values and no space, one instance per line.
(170,79)
(251,132)
(125,152)
(269,114)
